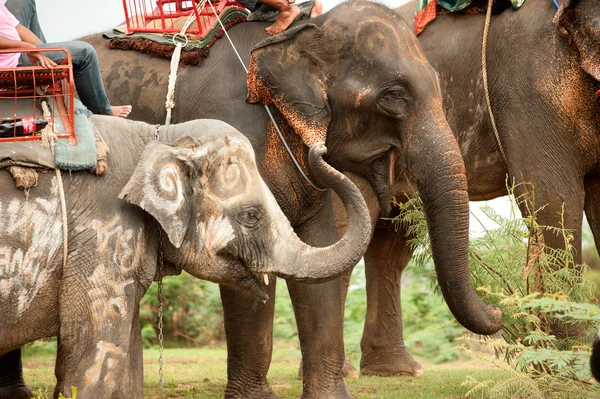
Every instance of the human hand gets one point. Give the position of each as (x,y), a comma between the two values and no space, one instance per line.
(40,59)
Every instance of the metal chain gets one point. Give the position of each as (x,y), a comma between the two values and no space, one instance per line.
(160,336)
(160,311)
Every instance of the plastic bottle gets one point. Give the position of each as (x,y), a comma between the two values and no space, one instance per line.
(12,127)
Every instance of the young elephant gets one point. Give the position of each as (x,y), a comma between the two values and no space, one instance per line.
(193,199)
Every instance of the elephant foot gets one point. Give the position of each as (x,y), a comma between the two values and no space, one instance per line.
(16,392)
(264,394)
(337,392)
(349,370)
(390,366)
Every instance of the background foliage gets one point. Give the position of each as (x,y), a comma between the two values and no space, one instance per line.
(550,312)
(194,316)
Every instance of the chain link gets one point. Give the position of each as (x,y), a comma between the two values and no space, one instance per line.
(160,311)
(160,335)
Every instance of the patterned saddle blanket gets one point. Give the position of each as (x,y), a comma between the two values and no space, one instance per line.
(197,48)
(428,10)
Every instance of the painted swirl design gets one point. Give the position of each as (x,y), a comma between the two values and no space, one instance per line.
(229,173)
(230,177)
(167,193)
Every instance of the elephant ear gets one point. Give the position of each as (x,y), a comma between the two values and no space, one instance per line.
(286,71)
(580,21)
(160,185)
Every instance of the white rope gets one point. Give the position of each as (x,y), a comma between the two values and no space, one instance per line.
(486,31)
(48,137)
(170,102)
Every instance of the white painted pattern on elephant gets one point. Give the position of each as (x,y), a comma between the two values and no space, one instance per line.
(215,234)
(105,367)
(107,295)
(232,177)
(168,197)
(126,252)
(26,266)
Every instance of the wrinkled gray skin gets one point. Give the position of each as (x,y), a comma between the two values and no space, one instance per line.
(544,69)
(356,79)
(218,219)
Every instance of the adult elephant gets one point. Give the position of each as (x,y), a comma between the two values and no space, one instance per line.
(198,204)
(355,78)
(544,70)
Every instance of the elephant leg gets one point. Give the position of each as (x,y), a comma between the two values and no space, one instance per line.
(99,339)
(348,370)
(562,197)
(12,385)
(320,319)
(249,333)
(382,344)
(592,207)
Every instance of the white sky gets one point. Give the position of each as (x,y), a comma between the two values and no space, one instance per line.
(69,19)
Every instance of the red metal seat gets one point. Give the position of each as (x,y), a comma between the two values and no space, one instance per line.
(161,16)
(24,87)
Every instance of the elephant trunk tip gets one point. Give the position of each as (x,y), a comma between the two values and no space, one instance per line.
(492,323)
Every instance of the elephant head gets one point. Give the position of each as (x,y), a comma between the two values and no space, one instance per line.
(222,221)
(580,21)
(357,79)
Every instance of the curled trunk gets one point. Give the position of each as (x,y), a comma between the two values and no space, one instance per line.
(297,260)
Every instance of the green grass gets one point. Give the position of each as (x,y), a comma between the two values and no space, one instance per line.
(201,374)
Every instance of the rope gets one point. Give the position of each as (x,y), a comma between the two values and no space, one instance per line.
(486,30)
(48,137)
(287,148)
(170,102)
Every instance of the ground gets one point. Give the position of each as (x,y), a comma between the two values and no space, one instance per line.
(201,374)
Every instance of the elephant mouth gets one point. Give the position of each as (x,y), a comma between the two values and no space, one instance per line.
(255,284)
(381,177)
(240,275)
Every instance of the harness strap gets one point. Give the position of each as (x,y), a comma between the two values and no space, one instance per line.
(48,137)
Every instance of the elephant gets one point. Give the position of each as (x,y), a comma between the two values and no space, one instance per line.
(338,79)
(544,69)
(192,200)
(595,357)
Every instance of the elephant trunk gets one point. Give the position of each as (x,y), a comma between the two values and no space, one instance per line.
(439,174)
(319,264)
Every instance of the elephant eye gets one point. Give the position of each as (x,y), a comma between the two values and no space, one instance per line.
(248,217)
(395,102)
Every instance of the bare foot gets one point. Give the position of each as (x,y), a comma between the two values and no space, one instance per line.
(122,111)
(287,15)
(317,9)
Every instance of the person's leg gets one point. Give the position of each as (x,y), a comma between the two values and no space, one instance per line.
(26,12)
(288,12)
(86,72)
(317,9)
(88,80)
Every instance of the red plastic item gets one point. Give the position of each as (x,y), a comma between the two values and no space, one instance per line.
(162,16)
(22,87)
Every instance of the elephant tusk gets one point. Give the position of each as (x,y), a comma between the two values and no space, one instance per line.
(266,278)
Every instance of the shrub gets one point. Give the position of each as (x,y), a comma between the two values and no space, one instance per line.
(550,314)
